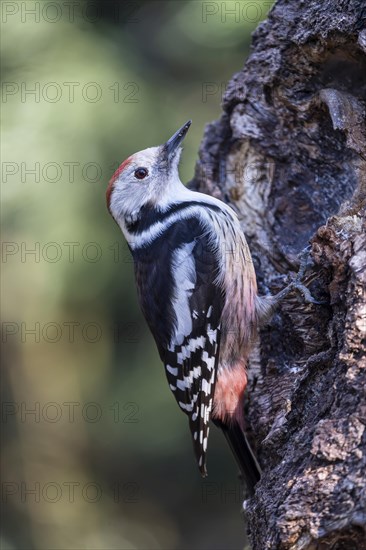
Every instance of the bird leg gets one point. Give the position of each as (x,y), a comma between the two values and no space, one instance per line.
(267,305)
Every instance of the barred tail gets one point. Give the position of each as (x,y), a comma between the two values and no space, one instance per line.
(243,453)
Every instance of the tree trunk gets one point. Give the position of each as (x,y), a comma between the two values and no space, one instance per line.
(289,154)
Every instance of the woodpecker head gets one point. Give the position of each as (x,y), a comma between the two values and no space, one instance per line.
(149,177)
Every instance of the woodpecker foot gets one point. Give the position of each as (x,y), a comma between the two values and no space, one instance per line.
(305,292)
(297,284)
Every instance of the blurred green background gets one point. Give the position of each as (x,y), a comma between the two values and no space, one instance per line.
(95,452)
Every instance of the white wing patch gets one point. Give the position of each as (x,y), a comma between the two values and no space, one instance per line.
(209,360)
(184,275)
(195,343)
(172,370)
(186,406)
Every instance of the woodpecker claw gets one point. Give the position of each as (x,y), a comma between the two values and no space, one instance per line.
(303,257)
(308,299)
(297,283)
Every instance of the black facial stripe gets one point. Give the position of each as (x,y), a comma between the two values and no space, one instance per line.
(177,234)
(149,215)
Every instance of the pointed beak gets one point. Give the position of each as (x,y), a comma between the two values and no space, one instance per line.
(173,143)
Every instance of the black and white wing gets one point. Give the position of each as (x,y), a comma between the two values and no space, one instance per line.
(182,302)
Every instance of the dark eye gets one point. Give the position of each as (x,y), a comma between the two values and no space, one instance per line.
(141,173)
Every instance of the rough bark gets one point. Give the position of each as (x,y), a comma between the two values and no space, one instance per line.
(289,154)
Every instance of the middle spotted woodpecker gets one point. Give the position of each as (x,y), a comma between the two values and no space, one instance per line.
(197,289)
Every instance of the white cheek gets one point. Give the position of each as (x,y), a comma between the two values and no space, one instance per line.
(129,196)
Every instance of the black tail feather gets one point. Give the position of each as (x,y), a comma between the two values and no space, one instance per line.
(243,454)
